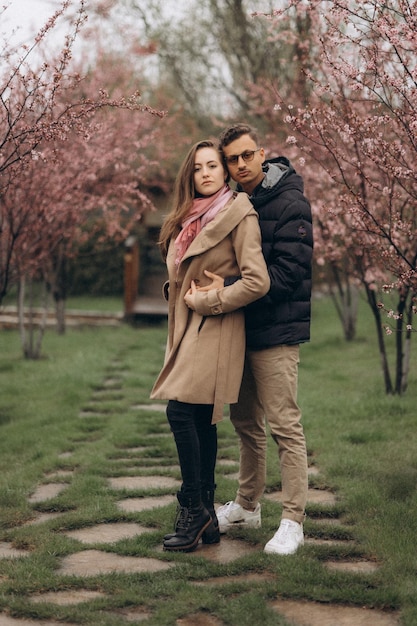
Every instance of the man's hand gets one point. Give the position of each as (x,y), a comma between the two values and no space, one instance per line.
(217,282)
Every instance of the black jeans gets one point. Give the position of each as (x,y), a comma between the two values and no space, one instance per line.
(196,440)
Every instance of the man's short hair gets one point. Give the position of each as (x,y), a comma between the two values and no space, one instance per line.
(234,132)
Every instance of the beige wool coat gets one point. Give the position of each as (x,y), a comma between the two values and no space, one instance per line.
(205,348)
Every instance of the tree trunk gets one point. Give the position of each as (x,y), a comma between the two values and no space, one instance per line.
(406,343)
(406,361)
(31,336)
(60,316)
(399,360)
(345,299)
(42,324)
(21,312)
(376,311)
(59,288)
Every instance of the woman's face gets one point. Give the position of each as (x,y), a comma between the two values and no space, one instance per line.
(209,174)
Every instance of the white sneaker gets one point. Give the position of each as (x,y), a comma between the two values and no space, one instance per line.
(232,515)
(288,538)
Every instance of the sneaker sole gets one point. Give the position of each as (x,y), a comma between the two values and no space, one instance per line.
(272,550)
(225,528)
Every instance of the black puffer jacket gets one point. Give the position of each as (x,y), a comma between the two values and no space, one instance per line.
(282,317)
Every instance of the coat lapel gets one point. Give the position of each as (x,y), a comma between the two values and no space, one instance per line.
(218,229)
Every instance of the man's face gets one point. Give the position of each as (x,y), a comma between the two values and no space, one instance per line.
(244,161)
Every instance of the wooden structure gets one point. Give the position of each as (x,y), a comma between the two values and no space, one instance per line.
(149,307)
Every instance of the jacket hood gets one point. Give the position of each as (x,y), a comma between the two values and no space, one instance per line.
(279,175)
(275,170)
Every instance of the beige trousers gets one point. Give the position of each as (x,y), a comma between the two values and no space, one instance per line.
(269,394)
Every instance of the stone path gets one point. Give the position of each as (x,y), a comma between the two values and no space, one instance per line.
(94,561)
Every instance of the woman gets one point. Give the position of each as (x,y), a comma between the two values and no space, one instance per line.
(208,226)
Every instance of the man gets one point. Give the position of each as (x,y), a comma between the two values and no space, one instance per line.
(275,326)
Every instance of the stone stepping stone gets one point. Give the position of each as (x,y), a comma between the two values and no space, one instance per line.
(8,552)
(146,462)
(321,496)
(136,449)
(242,578)
(144,482)
(43,517)
(314,496)
(104,398)
(357,567)
(107,533)
(95,562)
(227,551)
(316,614)
(132,615)
(136,505)
(65,455)
(160,408)
(6,620)
(149,468)
(60,474)
(112,383)
(47,492)
(227,463)
(67,597)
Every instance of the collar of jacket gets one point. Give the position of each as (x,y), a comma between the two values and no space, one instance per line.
(218,229)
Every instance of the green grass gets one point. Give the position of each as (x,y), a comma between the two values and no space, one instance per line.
(109,304)
(362,441)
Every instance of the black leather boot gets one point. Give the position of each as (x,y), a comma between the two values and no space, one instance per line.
(193,520)
(177,517)
(212,533)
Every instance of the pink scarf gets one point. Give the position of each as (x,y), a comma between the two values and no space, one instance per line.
(203,210)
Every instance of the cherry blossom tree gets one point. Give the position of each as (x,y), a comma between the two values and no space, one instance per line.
(360,126)
(71,155)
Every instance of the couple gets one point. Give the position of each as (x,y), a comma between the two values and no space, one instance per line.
(239,269)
